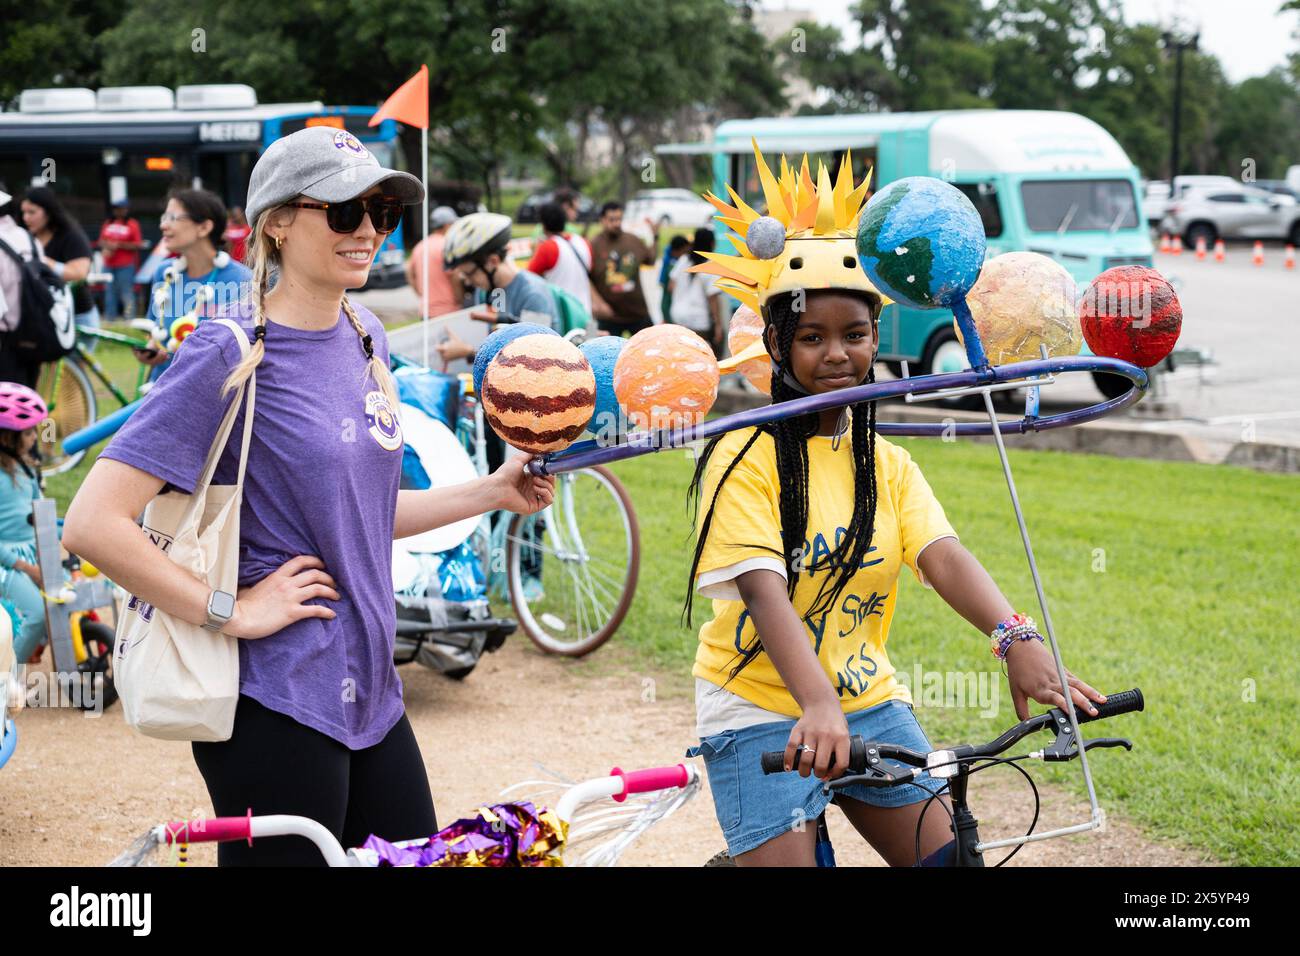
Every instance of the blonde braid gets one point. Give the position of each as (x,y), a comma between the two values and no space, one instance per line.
(375,368)
(261,253)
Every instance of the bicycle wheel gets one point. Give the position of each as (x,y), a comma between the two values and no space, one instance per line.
(68,393)
(572,568)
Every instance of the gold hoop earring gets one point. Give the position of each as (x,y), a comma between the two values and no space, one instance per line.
(279,242)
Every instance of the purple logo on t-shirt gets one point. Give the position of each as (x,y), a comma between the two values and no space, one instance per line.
(382,422)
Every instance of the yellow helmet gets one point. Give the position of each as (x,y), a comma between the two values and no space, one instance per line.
(807,240)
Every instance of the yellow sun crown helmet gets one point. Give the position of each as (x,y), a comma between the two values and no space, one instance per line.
(807,240)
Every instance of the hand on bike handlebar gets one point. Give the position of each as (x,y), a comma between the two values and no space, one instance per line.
(1031,670)
(280,598)
(520,491)
(824,731)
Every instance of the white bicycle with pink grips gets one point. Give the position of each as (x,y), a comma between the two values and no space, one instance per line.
(598,820)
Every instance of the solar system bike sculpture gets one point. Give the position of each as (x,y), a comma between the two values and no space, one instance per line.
(921,242)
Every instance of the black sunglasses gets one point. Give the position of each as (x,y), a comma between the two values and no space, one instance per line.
(385,212)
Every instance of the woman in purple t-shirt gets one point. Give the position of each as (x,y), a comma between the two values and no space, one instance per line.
(320,729)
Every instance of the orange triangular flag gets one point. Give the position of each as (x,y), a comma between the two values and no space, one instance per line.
(410,104)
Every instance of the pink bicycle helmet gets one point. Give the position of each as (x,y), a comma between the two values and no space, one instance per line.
(20,407)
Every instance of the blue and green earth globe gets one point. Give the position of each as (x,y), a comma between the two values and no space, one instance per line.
(921,242)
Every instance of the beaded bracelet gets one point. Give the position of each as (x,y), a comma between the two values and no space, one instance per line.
(1018,627)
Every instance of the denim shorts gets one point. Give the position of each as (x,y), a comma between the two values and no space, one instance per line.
(753,807)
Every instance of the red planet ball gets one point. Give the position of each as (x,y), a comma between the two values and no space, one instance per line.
(1131,313)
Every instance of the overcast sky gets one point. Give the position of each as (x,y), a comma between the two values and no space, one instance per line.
(1248,36)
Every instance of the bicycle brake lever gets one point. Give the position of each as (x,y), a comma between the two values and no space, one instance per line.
(871,778)
(1063,747)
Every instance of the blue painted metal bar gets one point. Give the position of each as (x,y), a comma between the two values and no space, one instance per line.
(586,454)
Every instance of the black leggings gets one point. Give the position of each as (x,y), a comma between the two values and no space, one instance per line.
(274,764)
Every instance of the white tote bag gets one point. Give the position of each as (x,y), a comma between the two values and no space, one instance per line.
(177,680)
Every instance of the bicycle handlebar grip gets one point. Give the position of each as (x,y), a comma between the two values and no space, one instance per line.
(773,761)
(214,830)
(646,781)
(1125,702)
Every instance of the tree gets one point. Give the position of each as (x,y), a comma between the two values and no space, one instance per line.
(914,55)
(47,43)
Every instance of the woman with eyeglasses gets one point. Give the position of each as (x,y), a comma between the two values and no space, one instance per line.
(320,729)
(201,280)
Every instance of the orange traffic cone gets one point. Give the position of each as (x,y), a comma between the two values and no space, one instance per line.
(1290,256)
(1178,246)
(1220,250)
(1200,248)
(1258,257)
(1164,242)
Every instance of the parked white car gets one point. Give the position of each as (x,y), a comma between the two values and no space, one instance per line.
(1155,201)
(669,207)
(1231,213)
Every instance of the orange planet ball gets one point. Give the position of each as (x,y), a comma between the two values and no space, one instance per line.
(747,327)
(539,393)
(666,377)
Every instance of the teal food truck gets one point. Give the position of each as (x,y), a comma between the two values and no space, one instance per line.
(1048,182)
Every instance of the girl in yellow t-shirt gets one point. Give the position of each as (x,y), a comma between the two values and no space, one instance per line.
(807,524)
(804,527)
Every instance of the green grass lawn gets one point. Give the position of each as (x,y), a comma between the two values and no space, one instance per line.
(1175,578)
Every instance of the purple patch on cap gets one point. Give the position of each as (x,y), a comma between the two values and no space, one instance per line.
(345,140)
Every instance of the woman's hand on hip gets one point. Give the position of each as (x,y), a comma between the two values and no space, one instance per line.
(279,599)
(823,731)
(519,490)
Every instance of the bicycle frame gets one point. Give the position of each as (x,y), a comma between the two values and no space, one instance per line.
(617,786)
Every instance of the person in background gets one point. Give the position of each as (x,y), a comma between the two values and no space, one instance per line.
(121,241)
(441,291)
(237,231)
(475,250)
(201,280)
(11,289)
(617,258)
(21,411)
(697,302)
(563,258)
(67,250)
(676,247)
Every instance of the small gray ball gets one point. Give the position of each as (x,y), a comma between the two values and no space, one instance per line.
(766,237)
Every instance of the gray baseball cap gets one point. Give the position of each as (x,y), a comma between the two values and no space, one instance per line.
(325,164)
(442,216)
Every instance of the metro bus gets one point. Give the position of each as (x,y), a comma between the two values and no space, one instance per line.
(136,143)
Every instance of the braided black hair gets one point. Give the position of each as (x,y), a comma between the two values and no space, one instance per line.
(791,439)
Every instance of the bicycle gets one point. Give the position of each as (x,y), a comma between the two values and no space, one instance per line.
(600,834)
(956,764)
(570,570)
(69,394)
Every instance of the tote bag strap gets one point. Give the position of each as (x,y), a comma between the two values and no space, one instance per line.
(249,388)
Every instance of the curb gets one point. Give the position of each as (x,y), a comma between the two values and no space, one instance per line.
(1116,439)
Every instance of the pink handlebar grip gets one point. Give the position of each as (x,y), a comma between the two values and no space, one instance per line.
(213,830)
(644,781)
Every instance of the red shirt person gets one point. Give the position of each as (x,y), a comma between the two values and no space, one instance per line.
(120,240)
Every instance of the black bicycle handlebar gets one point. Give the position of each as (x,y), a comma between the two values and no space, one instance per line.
(864,754)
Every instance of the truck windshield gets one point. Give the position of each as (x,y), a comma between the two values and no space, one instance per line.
(1079,205)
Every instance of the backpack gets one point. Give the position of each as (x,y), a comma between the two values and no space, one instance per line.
(46,328)
(569,310)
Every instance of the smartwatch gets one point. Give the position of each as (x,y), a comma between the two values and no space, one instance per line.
(221,608)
